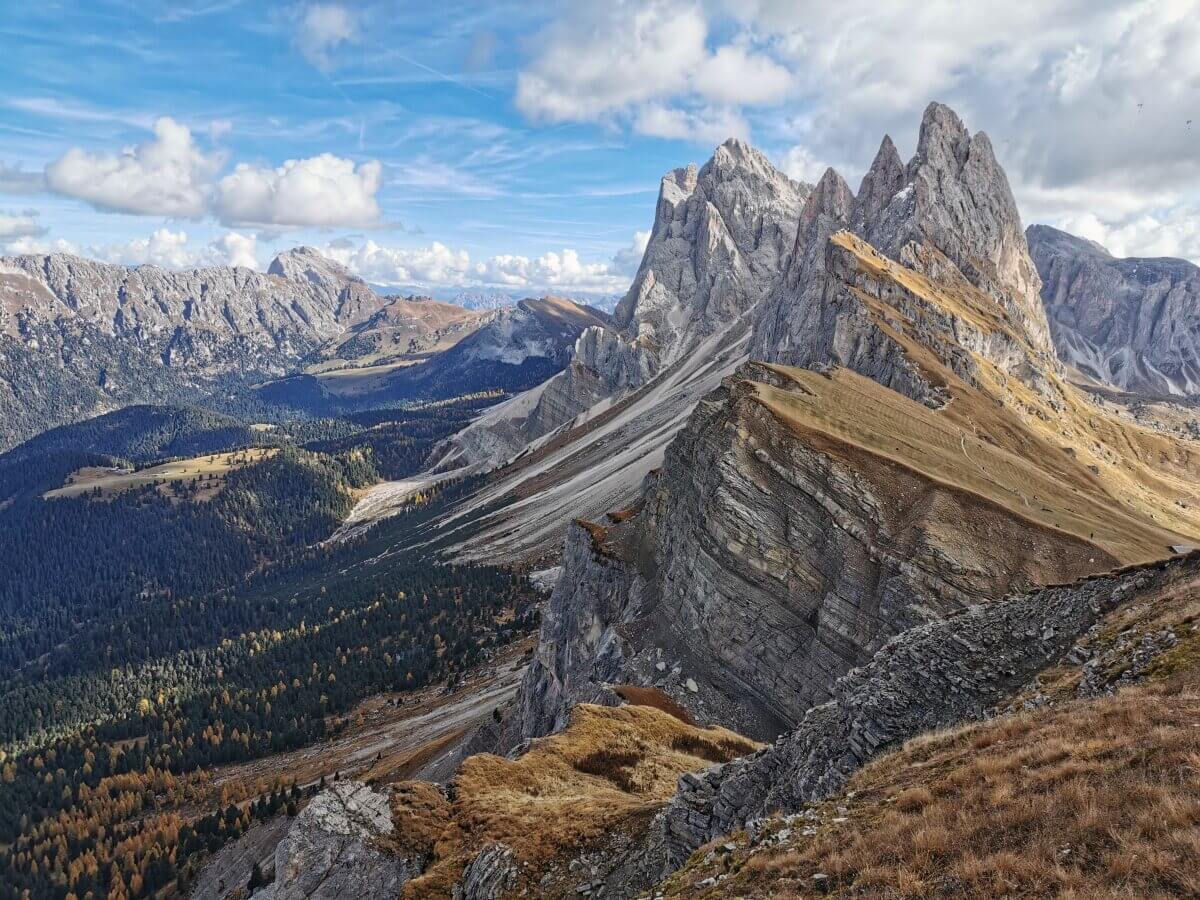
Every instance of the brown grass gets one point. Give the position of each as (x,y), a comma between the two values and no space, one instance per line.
(652,696)
(1091,799)
(608,771)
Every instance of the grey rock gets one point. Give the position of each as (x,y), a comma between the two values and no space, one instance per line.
(487,875)
(329,851)
(931,676)
(1131,323)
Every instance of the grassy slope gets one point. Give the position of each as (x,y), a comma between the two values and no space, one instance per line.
(1063,796)
(112,482)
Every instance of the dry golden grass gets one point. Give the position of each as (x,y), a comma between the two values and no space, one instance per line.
(609,770)
(112,482)
(652,696)
(1092,799)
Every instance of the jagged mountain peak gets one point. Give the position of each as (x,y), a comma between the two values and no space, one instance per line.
(305,263)
(720,234)
(884,179)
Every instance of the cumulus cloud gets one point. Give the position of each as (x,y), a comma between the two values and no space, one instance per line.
(322,28)
(169,249)
(435,264)
(171,176)
(800,164)
(441,266)
(234,249)
(38,246)
(165,248)
(20,224)
(323,191)
(166,176)
(625,60)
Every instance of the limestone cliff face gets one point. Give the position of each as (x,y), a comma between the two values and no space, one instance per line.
(1130,323)
(720,237)
(769,557)
(927,457)
(949,215)
(721,234)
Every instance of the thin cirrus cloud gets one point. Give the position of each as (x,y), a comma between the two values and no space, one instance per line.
(170,175)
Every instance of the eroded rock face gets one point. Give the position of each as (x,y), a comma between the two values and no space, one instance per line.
(487,875)
(1130,323)
(935,675)
(721,235)
(328,853)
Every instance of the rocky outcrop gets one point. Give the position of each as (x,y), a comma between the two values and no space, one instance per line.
(488,875)
(329,853)
(932,676)
(1132,323)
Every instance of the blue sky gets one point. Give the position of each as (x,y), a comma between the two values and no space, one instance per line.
(518,147)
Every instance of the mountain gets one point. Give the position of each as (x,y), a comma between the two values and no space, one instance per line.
(588,436)
(1132,324)
(99,336)
(928,456)
(79,338)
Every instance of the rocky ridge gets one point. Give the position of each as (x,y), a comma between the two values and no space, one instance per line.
(811,536)
(1126,323)
(720,234)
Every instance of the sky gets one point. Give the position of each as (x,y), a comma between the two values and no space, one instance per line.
(517,147)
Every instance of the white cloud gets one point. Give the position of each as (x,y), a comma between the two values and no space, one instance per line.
(15,180)
(234,249)
(735,74)
(166,176)
(322,28)
(169,249)
(440,266)
(1171,232)
(435,264)
(165,248)
(711,126)
(323,191)
(20,224)
(1086,101)
(38,246)
(626,260)
(800,164)
(171,176)
(648,64)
